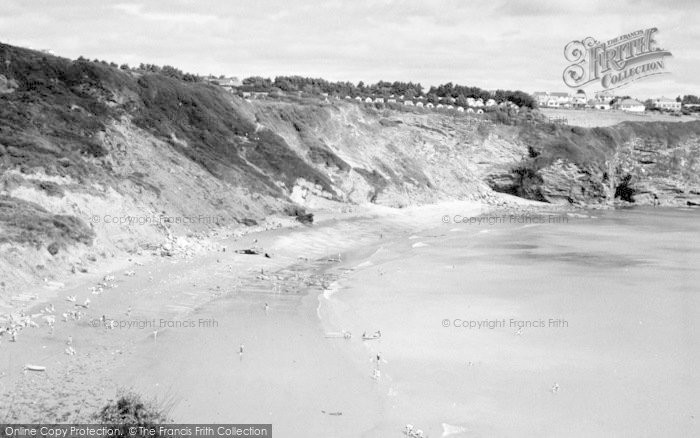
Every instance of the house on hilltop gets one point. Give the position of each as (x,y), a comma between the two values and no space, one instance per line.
(630,105)
(229,84)
(552,99)
(664,103)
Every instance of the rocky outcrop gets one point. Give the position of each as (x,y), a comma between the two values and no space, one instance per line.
(642,163)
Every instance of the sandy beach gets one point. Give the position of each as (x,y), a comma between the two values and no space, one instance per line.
(154,308)
(551,364)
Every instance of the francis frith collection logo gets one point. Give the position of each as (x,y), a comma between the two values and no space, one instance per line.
(616,62)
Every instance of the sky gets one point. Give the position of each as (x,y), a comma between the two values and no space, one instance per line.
(492,44)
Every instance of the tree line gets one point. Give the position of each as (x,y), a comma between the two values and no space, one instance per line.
(385,89)
(409,90)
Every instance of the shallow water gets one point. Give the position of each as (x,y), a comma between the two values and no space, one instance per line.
(582,328)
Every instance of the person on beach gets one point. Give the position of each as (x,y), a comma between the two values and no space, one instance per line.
(240,350)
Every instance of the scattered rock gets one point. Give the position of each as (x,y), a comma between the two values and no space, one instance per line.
(53,248)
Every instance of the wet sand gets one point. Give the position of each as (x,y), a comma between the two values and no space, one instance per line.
(611,303)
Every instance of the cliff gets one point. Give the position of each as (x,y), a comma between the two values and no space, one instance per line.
(96,161)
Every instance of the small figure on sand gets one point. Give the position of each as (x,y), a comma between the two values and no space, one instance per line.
(555,388)
(240,350)
(375,335)
(267,307)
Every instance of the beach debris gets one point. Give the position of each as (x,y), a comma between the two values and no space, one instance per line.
(130,273)
(24,297)
(85,305)
(337,413)
(450,429)
(247,251)
(71,298)
(412,432)
(375,335)
(30,367)
(70,351)
(336,259)
(555,388)
(344,334)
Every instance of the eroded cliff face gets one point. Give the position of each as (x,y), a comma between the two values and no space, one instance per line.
(390,157)
(650,163)
(82,143)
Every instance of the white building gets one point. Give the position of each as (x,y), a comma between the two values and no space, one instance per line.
(664,103)
(629,105)
(553,99)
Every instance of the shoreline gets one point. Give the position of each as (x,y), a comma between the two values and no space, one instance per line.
(177,288)
(307,264)
(156,282)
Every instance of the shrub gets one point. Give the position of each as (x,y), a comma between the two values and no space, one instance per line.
(129,409)
(53,248)
(300,214)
